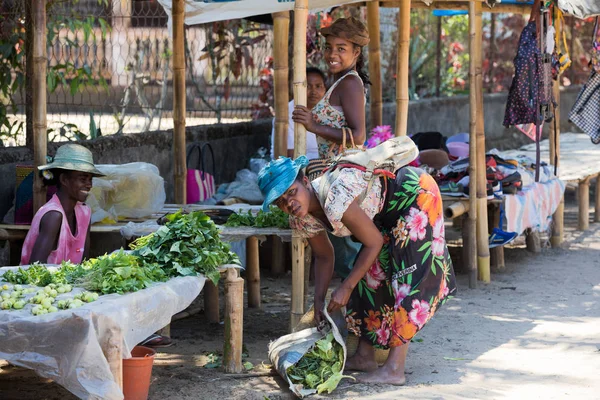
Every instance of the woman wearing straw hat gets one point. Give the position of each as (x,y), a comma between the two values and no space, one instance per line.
(403,272)
(60,229)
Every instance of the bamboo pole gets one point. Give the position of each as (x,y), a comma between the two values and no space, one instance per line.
(40,137)
(375,63)
(300,21)
(497,253)
(253,272)
(307,264)
(402,68)
(532,241)
(456,209)
(211,302)
(297,310)
(234,319)
(483,250)
(179,161)
(558,217)
(583,198)
(281,33)
(470,225)
(29,140)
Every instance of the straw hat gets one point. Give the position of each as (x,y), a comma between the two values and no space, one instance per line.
(350,29)
(73,157)
(277,177)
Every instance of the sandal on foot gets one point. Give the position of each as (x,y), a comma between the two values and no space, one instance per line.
(155,341)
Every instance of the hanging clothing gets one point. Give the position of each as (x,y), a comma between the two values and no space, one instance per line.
(525,91)
(413,275)
(327,114)
(70,246)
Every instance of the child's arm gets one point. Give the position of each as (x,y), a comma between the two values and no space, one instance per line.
(48,237)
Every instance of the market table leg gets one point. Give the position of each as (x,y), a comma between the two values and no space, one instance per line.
(253,272)
(532,240)
(307,264)
(211,301)
(278,258)
(112,349)
(584,204)
(234,319)
(497,253)
(297,310)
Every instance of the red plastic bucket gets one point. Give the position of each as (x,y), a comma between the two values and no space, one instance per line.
(137,372)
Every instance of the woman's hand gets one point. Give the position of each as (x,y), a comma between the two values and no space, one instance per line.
(304,116)
(339,298)
(318,310)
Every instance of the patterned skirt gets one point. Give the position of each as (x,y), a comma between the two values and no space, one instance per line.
(413,275)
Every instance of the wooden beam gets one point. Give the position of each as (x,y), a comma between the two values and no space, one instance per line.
(402,68)
(462,5)
(470,224)
(40,136)
(583,198)
(373,24)
(253,272)
(179,155)
(483,250)
(300,21)
(281,34)
(234,320)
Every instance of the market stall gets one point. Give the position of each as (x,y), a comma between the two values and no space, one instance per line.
(82,348)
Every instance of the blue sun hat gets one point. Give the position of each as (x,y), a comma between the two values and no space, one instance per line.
(277,176)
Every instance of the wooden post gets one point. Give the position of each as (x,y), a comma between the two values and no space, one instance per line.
(558,219)
(532,241)
(281,35)
(470,226)
(497,253)
(402,68)
(278,258)
(29,140)
(234,319)
(297,310)
(179,161)
(597,200)
(584,204)
(375,63)
(253,272)
(211,302)
(300,21)
(40,137)
(483,250)
(438,57)
(112,347)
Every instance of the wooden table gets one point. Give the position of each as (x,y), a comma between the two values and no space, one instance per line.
(229,234)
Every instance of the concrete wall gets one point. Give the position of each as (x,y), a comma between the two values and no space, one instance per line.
(233,145)
(450,115)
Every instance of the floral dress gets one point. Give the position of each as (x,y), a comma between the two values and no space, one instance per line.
(413,275)
(327,114)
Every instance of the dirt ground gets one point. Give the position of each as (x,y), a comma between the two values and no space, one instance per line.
(532,333)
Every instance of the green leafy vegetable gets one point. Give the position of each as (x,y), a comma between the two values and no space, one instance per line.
(275,218)
(321,367)
(37,274)
(188,244)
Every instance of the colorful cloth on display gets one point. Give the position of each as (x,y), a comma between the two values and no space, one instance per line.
(534,206)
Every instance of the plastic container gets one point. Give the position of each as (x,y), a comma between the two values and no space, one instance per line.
(137,372)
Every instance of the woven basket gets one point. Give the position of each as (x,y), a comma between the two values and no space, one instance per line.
(352,344)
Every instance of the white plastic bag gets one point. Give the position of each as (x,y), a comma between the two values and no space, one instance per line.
(134,190)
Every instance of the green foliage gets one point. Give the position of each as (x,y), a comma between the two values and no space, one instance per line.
(321,367)
(275,218)
(189,244)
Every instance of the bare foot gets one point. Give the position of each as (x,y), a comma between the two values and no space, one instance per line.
(383,376)
(360,363)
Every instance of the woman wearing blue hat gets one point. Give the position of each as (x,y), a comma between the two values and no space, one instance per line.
(403,272)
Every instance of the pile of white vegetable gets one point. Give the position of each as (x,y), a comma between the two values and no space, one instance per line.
(14,297)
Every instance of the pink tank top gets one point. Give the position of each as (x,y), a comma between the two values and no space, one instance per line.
(70,248)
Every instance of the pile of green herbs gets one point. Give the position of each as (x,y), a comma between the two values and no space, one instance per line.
(188,244)
(321,367)
(37,275)
(119,272)
(274,218)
